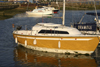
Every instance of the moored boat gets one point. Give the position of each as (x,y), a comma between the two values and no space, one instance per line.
(57,38)
(89,28)
(40,11)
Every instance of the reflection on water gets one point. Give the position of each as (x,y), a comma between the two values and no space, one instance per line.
(30,15)
(96,55)
(43,59)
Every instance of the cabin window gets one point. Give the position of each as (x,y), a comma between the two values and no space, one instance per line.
(53,32)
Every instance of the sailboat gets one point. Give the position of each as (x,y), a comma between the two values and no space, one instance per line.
(56,38)
(89,27)
(40,11)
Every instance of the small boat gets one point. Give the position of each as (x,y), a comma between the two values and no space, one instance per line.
(40,11)
(56,38)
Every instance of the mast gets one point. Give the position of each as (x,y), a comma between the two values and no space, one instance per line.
(27,5)
(96,13)
(63,19)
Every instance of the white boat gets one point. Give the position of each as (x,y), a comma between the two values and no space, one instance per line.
(40,11)
(56,38)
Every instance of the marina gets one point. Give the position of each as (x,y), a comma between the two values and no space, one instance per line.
(8,45)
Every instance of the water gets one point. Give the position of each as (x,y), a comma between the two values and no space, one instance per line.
(13,56)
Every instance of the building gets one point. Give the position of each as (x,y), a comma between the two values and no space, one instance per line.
(32,1)
(36,1)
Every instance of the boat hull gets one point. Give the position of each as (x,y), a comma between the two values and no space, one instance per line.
(39,13)
(78,44)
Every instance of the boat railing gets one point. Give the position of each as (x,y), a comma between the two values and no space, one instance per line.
(36,32)
(27,29)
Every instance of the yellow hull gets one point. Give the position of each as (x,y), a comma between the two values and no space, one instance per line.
(79,44)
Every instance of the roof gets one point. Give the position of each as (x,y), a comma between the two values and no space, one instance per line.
(49,24)
(56,27)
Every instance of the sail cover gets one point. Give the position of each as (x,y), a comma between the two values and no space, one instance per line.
(86,27)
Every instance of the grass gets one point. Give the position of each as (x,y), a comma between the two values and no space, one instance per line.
(5,14)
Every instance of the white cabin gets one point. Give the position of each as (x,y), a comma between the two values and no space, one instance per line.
(50,29)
